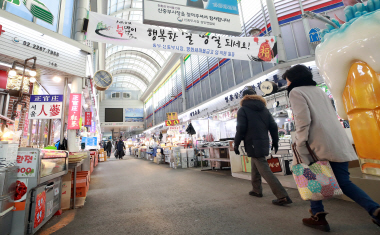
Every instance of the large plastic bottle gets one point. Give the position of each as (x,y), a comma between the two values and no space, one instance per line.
(361,97)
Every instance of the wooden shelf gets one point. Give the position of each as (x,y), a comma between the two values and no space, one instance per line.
(6,119)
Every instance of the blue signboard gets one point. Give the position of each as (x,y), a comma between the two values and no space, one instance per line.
(315,35)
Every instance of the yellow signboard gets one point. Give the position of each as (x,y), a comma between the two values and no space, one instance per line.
(171,116)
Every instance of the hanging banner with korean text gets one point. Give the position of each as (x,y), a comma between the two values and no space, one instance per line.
(216,16)
(75,109)
(87,118)
(45,106)
(112,30)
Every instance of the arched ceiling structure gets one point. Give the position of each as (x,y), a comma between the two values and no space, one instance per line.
(132,67)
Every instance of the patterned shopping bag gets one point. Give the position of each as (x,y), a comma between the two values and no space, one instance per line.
(315,181)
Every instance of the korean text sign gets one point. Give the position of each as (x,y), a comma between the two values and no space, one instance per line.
(216,16)
(87,118)
(27,163)
(75,109)
(109,29)
(45,106)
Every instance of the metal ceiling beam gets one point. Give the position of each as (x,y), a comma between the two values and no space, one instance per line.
(149,58)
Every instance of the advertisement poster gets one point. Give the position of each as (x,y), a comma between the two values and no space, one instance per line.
(27,163)
(45,106)
(217,16)
(112,30)
(75,109)
(134,115)
(40,209)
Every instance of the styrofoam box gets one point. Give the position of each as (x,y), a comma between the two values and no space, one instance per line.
(8,153)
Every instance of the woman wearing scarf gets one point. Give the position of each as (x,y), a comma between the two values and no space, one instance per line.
(317,124)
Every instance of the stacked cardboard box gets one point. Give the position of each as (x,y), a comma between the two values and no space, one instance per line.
(66,191)
(184,158)
(82,184)
(176,156)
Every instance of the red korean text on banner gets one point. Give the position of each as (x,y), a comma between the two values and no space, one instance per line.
(39,214)
(75,108)
(87,118)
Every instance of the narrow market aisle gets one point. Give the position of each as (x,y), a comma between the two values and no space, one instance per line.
(136,196)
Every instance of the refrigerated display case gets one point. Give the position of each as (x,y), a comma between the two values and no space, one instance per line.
(7,192)
(38,191)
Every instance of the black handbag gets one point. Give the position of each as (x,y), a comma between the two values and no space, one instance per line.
(116,153)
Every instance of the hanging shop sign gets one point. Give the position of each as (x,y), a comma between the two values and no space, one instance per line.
(37,9)
(75,109)
(171,122)
(171,116)
(21,42)
(109,29)
(87,118)
(45,106)
(216,16)
(93,127)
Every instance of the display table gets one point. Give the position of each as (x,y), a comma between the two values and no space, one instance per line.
(218,155)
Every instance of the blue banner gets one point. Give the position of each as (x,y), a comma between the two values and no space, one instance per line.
(46,98)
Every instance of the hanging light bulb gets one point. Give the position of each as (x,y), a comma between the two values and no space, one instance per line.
(32,72)
(57,79)
(32,79)
(85,106)
(12,72)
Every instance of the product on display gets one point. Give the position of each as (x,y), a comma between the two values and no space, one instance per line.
(354,81)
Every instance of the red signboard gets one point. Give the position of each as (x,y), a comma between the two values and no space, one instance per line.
(75,108)
(40,209)
(87,119)
(3,79)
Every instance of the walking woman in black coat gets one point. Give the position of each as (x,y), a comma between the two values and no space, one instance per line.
(109,148)
(254,121)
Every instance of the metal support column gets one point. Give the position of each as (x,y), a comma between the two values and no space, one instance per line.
(276,31)
(154,108)
(233,72)
(265,18)
(306,26)
(80,13)
(220,77)
(209,77)
(63,117)
(183,84)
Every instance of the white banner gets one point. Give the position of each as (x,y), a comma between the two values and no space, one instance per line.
(216,16)
(112,30)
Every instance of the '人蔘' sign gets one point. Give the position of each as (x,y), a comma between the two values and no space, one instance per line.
(75,108)
(45,106)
